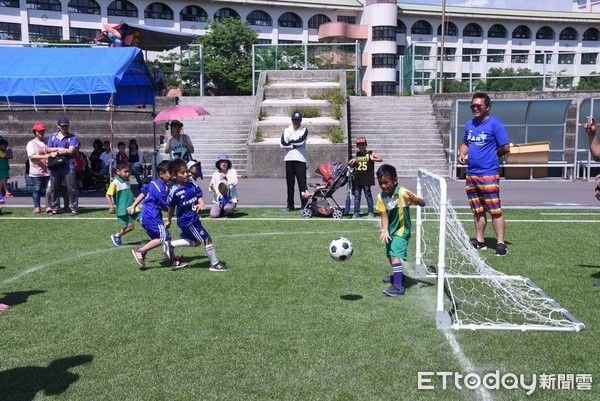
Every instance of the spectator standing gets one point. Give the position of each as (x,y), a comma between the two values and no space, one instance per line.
(179,145)
(159,81)
(38,153)
(67,142)
(293,140)
(4,168)
(364,176)
(485,140)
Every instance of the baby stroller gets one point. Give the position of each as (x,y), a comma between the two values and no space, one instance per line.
(321,202)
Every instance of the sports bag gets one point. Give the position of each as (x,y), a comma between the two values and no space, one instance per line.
(57,162)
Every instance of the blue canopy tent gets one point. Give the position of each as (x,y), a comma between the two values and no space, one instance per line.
(75,76)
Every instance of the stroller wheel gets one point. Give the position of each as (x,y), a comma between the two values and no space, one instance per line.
(337,214)
(307,213)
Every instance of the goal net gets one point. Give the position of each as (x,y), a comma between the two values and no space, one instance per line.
(470,293)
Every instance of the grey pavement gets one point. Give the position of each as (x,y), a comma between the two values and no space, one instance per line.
(271,192)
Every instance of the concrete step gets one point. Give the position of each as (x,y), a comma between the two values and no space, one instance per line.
(273,107)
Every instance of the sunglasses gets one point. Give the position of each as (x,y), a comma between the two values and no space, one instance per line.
(477,106)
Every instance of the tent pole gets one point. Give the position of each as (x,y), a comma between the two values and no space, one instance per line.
(111,109)
(155,151)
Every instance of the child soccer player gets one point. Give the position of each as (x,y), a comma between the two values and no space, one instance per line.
(393,202)
(119,197)
(154,196)
(364,175)
(186,197)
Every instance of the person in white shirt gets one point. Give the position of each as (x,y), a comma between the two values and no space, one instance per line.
(293,140)
(223,186)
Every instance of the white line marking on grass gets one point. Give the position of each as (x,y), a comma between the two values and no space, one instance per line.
(466,364)
(54,262)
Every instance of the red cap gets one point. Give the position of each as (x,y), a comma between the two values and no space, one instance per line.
(37,126)
(361,139)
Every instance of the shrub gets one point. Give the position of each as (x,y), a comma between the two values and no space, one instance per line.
(335,134)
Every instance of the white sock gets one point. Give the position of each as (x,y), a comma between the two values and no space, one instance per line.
(182,242)
(212,255)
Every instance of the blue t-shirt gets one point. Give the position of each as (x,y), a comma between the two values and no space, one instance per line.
(155,200)
(67,141)
(184,198)
(484,139)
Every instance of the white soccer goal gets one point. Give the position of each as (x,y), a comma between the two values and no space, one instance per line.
(470,293)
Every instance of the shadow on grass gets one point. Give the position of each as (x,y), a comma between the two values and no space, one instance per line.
(351,297)
(25,382)
(18,297)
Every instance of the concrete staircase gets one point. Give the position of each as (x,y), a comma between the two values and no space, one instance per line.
(225,130)
(402,130)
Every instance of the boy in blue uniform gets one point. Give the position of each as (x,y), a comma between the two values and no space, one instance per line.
(186,197)
(154,196)
(119,198)
(393,202)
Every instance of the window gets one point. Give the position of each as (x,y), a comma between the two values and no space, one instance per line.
(84,7)
(590,35)
(9,31)
(289,42)
(473,31)
(384,60)
(521,32)
(122,8)
(519,56)
(264,41)
(400,50)
(589,58)
(9,3)
(545,33)
(259,18)
(471,55)
(540,57)
(290,20)
(316,20)
(564,82)
(449,53)
(158,11)
(386,88)
(422,53)
(83,35)
(48,5)
(497,31)
(421,28)
(347,19)
(566,58)
(568,34)
(384,33)
(193,13)
(226,13)
(451,29)
(44,33)
(422,78)
(400,27)
(495,55)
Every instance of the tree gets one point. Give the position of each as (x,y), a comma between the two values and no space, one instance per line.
(502,79)
(591,82)
(227,49)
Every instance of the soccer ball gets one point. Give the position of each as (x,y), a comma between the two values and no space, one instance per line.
(340,249)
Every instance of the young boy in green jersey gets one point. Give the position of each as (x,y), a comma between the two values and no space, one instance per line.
(393,202)
(119,197)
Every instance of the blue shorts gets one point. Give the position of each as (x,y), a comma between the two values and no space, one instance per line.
(157,232)
(194,232)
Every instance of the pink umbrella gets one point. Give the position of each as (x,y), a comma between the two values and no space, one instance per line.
(179,112)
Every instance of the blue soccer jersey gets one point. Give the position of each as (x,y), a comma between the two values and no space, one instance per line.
(154,202)
(185,198)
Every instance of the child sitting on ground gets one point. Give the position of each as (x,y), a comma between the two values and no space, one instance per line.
(223,186)
(119,197)
(186,197)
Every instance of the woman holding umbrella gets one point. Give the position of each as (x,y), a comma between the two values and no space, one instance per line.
(179,145)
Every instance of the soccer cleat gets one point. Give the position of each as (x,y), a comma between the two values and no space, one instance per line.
(74,212)
(218,267)
(36,210)
(501,250)
(116,240)
(8,195)
(394,290)
(139,257)
(49,210)
(168,251)
(480,246)
(178,263)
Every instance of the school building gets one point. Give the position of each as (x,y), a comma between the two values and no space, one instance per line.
(565,44)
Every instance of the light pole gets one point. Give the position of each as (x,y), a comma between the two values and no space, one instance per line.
(441,90)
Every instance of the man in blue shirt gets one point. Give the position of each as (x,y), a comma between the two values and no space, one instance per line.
(64,175)
(485,140)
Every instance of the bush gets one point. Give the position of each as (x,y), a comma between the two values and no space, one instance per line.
(335,134)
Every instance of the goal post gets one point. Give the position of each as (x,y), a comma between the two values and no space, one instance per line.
(470,293)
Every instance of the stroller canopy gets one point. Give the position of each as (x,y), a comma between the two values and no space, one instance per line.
(330,171)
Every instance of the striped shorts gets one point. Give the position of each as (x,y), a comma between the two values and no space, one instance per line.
(483,193)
